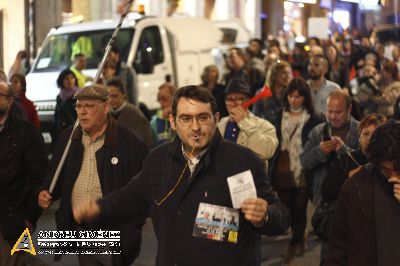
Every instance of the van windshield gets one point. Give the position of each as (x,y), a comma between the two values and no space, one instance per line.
(58,51)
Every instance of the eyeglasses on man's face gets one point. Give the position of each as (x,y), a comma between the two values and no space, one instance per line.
(187,120)
(237,100)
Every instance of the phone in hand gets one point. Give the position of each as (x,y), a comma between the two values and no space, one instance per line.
(326,138)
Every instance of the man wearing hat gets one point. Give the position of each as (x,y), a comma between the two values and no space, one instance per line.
(103,156)
(244,128)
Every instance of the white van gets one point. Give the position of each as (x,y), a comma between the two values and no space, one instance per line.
(156,48)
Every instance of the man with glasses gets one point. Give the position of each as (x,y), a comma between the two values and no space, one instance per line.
(103,156)
(183,180)
(244,128)
(23,165)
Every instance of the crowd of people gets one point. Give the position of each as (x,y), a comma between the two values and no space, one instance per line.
(327,134)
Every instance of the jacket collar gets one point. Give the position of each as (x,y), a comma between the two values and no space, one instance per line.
(111,132)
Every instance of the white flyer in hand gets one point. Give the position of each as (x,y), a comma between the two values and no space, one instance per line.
(241,187)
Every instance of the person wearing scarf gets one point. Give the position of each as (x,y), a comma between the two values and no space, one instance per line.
(65,114)
(294,123)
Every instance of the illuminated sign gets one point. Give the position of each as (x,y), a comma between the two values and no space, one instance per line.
(351,1)
(369,2)
(304,1)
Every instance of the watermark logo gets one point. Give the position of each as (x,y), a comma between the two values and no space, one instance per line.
(70,242)
(24,243)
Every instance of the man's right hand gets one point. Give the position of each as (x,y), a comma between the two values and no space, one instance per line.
(45,199)
(86,212)
(22,54)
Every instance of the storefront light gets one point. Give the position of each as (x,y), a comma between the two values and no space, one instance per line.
(342,17)
(369,4)
(287,5)
(296,13)
(304,1)
(302,39)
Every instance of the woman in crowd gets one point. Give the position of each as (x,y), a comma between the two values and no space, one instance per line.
(293,126)
(338,71)
(390,89)
(364,230)
(209,80)
(366,129)
(278,78)
(65,113)
(18,85)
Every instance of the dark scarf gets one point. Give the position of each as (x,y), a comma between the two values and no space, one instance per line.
(387,222)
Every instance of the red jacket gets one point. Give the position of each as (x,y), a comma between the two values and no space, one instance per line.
(30,110)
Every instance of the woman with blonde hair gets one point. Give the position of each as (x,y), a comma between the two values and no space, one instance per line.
(278,77)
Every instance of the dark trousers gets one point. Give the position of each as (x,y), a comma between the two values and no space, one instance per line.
(295,199)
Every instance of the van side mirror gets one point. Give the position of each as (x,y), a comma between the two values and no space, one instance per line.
(144,62)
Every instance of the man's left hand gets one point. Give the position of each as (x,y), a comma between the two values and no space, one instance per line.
(255,210)
(338,141)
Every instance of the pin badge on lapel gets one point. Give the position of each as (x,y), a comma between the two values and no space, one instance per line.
(114,160)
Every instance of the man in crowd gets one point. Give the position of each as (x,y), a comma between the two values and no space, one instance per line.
(160,126)
(327,141)
(244,128)
(186,178)
(320,87)
(236,61)
(127,75)
(127,114)
(23,165)
(103,156)
(78,66)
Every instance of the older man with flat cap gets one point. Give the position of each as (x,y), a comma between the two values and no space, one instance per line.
(244,128)
(103,156)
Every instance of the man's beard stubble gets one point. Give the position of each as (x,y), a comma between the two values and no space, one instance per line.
(314,76)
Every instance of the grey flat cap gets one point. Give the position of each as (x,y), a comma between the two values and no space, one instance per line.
(92,92)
